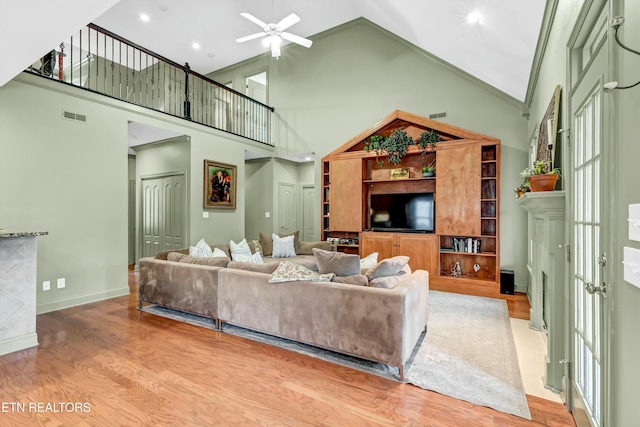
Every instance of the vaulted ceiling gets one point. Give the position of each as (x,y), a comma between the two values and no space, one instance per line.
(497,49)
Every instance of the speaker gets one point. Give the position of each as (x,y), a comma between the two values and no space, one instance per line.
(507,282)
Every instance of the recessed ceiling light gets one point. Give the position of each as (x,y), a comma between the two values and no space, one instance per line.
(473,17)
(144,17)
(196,46)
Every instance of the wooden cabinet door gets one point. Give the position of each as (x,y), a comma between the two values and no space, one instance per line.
(458,191)
(377,242)
(345,205)
(422,250)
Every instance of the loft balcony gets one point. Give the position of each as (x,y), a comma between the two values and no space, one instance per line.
(99,61)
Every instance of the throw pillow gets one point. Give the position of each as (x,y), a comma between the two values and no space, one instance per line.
(283,246)
(338,263)
(290,272)
(266,242)
(256,246)
(219,253)
(356,279)
(387,267)
(369,261)
(188,259)
(241,248)
(201,249)
(252,259)
(391,282)
(175,256)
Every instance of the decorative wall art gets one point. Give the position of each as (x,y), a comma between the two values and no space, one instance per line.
(548,130)
(220,182)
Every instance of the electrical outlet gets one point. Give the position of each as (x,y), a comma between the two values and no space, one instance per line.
(61,283)
(46,285)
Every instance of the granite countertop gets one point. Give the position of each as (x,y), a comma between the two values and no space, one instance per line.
(4,234)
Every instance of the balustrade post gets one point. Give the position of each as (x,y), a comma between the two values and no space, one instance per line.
(187,103)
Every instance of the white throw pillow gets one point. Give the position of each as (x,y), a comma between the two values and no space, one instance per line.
(241,248)
(201,249)
(251,259)
(219,253)
(283,246)
(369,261)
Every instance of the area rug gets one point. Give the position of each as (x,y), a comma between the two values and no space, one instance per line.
(468,352)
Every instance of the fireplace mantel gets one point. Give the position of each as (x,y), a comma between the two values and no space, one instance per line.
(546,263)
(543,204)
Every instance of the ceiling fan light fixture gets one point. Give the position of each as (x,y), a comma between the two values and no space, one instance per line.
(273,34)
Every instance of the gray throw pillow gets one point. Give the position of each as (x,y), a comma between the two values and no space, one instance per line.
(390,282)
(387,267)
(338,263)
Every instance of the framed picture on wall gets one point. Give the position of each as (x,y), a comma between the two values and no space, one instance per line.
(220,182)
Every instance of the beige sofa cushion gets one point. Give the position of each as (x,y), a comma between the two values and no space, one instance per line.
(356,279)
(338,263)
(247,266)
(180,257)
(387,267)
(267,242)
(306,248)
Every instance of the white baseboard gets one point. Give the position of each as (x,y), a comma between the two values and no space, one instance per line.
(18,343)
(85,299)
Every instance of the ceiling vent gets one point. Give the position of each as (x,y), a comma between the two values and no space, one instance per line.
(74,116)
(438,115)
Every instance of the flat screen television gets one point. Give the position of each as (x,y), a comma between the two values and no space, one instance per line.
(408,212)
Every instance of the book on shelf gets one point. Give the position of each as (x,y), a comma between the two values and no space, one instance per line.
(466,244)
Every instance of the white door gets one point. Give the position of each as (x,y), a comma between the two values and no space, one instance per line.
(308,225)
(286,208)
(163,214)
(590,219)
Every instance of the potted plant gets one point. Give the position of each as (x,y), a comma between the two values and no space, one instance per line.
(542,177)
(395,146)
(427,141)
(522,188)
(429,170)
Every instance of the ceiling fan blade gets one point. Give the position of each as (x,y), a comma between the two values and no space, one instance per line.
(296,39)
(255,20)
(288,21)
(251,37)
(275,48)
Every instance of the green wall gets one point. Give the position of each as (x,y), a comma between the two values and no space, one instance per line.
(71,179)
(325,95)
(259,194)
(626,297)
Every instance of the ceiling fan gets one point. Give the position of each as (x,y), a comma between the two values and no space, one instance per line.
(276,33)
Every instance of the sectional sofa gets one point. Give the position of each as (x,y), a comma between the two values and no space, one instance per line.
(372,323)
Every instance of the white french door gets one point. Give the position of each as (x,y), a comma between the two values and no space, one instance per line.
(588,289)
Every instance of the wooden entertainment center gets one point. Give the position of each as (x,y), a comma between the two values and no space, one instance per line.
(466,190)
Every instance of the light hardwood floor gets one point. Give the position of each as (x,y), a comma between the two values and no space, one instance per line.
(134,368)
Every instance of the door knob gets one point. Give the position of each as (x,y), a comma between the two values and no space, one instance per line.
(592,289)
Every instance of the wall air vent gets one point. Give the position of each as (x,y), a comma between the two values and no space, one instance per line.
(438,115)
(74,116)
